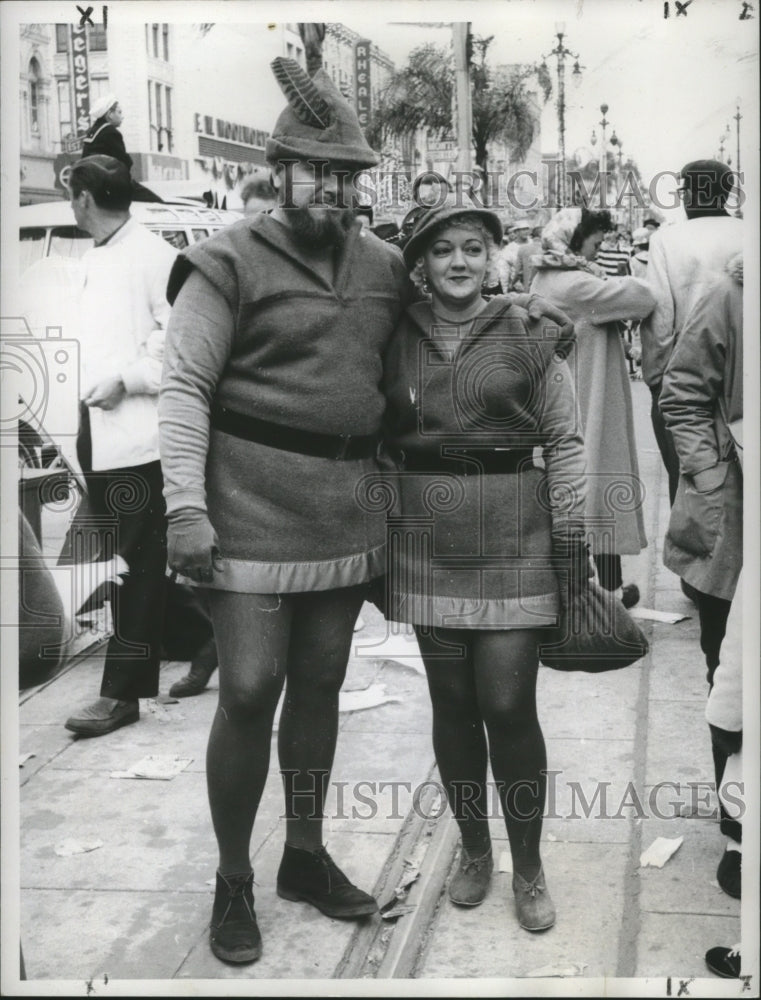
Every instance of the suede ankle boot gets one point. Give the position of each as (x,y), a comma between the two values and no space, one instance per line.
(234,934)
(313,877)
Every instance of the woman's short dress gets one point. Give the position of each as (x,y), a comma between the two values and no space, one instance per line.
(471,421)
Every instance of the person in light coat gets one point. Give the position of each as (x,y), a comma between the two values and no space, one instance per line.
(702,403)
(568,278)
(682,258)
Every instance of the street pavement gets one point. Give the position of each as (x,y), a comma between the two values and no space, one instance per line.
(137,905)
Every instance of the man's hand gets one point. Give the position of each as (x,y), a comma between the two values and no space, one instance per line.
(539,308)
(193,546)
(106,394)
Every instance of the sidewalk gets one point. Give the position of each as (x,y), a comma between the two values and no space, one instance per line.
(137,907)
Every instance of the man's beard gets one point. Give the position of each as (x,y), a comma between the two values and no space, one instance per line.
(313,231)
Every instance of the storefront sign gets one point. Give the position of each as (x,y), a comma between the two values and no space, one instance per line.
(219,129)
(362,92)
(81,79)
(159,167)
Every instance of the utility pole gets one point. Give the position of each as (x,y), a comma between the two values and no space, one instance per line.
(460,40)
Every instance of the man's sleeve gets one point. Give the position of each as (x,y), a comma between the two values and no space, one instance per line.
(692,384)
(198,346)
(563,453)
(144,374)
(657,331)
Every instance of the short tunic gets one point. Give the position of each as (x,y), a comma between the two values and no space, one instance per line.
(475,551)
(257,330)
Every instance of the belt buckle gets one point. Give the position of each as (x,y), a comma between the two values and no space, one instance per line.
(343,447)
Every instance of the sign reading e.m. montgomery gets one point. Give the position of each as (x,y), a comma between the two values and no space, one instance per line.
(362,92)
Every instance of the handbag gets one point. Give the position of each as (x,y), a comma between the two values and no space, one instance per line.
(594,633)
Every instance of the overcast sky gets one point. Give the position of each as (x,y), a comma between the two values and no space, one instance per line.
(671,85)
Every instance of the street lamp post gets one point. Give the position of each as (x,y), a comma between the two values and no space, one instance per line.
(615,141)
(603,154)
(560,52)
(737,118)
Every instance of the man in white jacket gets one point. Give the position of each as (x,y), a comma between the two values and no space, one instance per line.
(123,314)
(681,259)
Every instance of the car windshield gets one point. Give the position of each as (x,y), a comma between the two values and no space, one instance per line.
(69,241)
(32,247)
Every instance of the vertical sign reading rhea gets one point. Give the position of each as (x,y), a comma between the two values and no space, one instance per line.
(362,94)
(81,78)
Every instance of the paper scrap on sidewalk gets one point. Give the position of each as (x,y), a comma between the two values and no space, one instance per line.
(369,697)
(505,862)
(659,852)
(549,971)
(71,846)
(651,615)
(160,714)
(395,911)
(399,648)
(24,758)
(155,768)
(166,699)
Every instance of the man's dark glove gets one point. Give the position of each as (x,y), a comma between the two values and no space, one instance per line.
(192,545)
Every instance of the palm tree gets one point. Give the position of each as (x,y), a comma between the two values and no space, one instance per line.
(421,96)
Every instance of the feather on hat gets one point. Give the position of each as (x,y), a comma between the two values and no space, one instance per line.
(318,122)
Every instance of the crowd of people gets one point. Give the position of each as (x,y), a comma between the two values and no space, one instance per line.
(242,392)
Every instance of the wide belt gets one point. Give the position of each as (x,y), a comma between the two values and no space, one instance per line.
(467,462)
(342,447)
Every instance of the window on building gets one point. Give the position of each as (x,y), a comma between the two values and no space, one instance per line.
(34,97)
(155,32)
(159,122)
(64,108)
(62,38)
(165,36)
(96,38)
(151,119)
(289,50)
(98,87)
(168,108)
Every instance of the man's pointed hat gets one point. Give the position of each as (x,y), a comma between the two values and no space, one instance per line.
(318,122)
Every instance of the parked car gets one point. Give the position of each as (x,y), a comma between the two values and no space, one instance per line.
(48,230)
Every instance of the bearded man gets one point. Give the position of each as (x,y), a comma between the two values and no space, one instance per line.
(270,414)
(270,410)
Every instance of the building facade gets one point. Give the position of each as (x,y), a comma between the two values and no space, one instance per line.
(199,100)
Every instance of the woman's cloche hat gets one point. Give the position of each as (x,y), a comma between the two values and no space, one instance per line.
(457,203)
